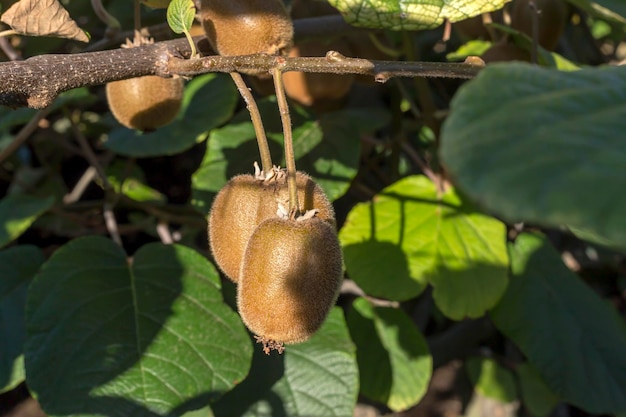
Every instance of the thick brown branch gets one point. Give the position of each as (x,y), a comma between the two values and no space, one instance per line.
(37,81)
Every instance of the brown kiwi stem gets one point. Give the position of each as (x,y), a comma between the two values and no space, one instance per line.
(255,115)
(137,16)
(290,159)
(112,23)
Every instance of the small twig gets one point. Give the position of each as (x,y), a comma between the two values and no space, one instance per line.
(89,154)
(290,159)
(8,32)
(21,137)
(80,187)
(163,230)
(111,223)
(113,25)
(257,123)
(9,50)
(137,16)
(417,160)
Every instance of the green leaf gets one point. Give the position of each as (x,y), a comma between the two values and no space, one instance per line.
(208,102)
(131,184)
(612,10)
(407,237)
(574,339)
(326,148)
(491,379)
(180,14)
(411,14)
(541,146)
(149,336)
(395,364)
(18,212)
(474,47)
(315,378)
(18,264)
(536,396)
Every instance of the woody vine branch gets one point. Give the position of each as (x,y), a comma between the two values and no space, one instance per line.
(37,81)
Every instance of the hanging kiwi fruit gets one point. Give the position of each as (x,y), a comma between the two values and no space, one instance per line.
(289,279)
(242,27)
(317,89)
(246,201)
(551,18)
(144,103)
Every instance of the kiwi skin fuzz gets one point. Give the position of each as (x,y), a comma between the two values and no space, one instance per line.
(244,202)
(145,103)
(290,278)
(243,27)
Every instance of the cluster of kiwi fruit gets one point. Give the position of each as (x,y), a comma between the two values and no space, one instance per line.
(288,267)
(285,258)
(144,103)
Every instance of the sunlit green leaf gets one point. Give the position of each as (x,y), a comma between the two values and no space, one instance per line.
(395,365)
(411,14)
(18,212)
(149,336)
(315,378)
(180,14)
(491,379)
(408,237)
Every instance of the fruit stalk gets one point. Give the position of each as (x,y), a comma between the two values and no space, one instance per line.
(290,159)
(257,123)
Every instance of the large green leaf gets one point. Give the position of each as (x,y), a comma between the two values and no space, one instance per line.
(491,379)
(208,102)
(543,146)
(18,264)
(149,336)
(537,397)
(318,378)
(408,237)
(395,365)
(411,14)
(574,339)
(18,212)
(326,148)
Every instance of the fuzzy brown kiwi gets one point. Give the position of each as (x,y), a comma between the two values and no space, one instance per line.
(246,201)
(501,52)
(289,280)
(145,103)
(552,19)
(313,89)
(242,27)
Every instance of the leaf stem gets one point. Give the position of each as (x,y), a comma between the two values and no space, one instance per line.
(290,159)
(257,123)
(112,23)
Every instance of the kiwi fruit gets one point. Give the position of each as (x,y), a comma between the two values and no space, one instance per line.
(289,279)
(145,103)
(502,52)
(244,202)
(313,89)
(552,18)
(242,27)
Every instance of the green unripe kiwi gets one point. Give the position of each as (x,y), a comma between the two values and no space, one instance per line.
(242,27)
(145,103)
(551,19)
(244,202)
(289,280)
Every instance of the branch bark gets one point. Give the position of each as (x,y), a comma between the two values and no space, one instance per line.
(37,81)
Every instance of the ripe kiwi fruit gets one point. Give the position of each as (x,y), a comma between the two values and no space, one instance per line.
(242,27)
(244,202)
(145,103)
(552,18)
(289,279)
(501,52)
(313,89)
